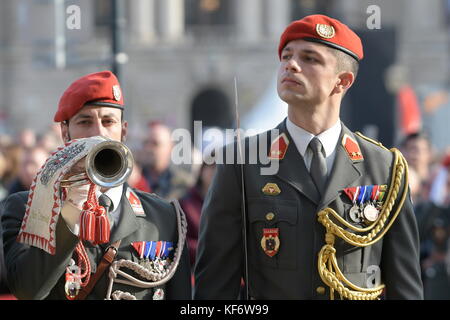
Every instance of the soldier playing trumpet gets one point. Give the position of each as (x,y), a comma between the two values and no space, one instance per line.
(88,241)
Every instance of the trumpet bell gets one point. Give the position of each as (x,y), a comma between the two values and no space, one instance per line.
(108,164)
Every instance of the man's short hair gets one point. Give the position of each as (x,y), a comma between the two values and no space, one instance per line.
(345,62)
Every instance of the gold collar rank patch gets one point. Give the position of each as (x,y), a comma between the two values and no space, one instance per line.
(271,189)
(325,31)
(270,241)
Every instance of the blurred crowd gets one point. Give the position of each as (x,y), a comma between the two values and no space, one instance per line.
(21,157)
(429,181)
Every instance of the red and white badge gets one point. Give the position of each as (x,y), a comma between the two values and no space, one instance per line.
(270,241)
(135,203)
(352,148)
(279,147)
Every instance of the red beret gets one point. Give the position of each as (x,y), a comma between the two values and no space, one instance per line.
(100,88)
(325,30)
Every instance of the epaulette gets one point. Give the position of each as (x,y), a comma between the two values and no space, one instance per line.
(377,143)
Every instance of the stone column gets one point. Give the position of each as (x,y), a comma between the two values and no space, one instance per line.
(276,17)
(248,15)
(171,19)
(142,21)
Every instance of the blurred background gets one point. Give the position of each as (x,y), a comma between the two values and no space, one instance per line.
(177,61)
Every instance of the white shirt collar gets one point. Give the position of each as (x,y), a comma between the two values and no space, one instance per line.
(115,194)
(329,138)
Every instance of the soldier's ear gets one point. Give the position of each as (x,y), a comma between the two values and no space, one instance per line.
(344,82)
(124,130)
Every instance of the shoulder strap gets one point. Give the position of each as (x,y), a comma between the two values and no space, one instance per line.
(107,259)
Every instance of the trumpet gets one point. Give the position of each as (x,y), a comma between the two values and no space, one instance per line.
(108,164)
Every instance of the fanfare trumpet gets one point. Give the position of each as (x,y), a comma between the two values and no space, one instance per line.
(108,164)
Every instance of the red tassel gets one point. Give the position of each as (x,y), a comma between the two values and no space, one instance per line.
(94,223)
(87,219)
(102,226)
(87,225)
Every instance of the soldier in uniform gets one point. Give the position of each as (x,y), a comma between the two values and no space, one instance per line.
(151,230)
(336,220)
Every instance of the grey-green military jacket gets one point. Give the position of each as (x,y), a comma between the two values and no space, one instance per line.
(292,273)
(35,274)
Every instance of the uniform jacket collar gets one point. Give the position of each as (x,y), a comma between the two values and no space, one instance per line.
(128,222)
(292,170)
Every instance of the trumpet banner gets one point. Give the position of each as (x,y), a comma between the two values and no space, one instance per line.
(45,198)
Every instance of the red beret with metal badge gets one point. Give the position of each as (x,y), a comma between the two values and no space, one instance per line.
(325,30)
(100,88)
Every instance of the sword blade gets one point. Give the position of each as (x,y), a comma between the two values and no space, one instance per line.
(243,200)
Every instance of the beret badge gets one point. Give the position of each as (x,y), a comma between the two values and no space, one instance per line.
(325,31)
(116,92)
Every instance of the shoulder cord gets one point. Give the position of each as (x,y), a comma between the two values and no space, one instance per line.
(327,264)
(156,278)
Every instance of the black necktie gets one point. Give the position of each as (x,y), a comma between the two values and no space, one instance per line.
(318,169)
(106,202)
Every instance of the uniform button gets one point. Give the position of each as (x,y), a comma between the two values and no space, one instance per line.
(270,216)
(320,290)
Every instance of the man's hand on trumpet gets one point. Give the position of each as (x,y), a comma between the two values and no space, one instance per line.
(77,193)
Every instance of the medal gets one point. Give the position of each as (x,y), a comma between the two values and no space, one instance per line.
(159,294)
(154,255)
(73,280)
(370,214)
(355,214)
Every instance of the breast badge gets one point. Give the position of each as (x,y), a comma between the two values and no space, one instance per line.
(270,241)
(271,189)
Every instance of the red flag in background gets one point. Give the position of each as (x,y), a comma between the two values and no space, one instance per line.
(409,111)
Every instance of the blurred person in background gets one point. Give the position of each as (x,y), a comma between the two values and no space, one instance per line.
(13,154)
(32,160)
(3,190)
(137,179)
(192,203)
(3,193)
(418,152)
(163,178)
(49,141)
(433,218)
(26,138)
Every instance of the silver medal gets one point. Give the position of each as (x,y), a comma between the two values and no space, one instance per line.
(158,265)
(159,294)
(370,213)
(73,280)
(354,214)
